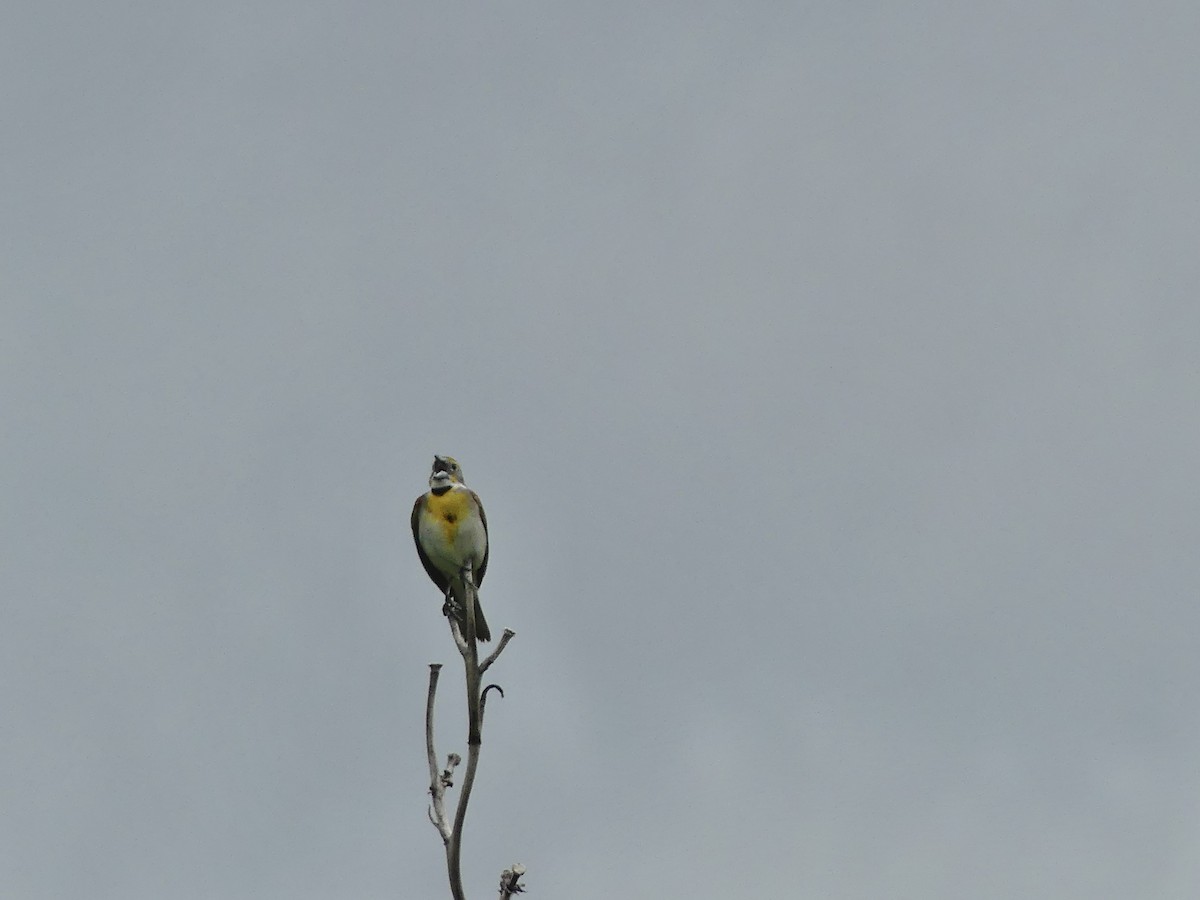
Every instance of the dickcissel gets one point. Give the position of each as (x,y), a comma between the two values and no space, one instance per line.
(451,533)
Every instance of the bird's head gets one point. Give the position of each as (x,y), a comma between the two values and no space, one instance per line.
(446,471)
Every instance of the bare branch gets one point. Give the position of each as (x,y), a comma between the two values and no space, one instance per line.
(437,789)
(483,698)
(470,654)
(464,635)
(460,640)
(508,635)
(454,850)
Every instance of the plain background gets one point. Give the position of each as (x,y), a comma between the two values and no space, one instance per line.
(828,371)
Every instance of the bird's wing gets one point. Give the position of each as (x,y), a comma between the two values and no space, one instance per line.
(439,579)
(483,518)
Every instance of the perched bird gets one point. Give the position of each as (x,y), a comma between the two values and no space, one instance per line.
(451,532)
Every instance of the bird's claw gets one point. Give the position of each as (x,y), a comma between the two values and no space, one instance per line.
(451,607)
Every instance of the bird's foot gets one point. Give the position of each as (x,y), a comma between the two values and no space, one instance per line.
(452,608)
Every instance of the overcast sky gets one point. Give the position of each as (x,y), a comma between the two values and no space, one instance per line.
(828,371)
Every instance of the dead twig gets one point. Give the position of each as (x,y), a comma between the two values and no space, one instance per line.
(510,881)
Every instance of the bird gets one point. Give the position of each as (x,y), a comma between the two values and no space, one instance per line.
(450,530)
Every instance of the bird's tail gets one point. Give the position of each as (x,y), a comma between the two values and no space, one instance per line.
(461,592)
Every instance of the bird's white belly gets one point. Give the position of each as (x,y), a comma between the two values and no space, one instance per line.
(450,553)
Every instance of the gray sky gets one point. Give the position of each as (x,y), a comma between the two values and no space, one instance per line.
(828,372)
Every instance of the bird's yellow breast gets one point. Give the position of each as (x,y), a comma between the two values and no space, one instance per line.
(449,510)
